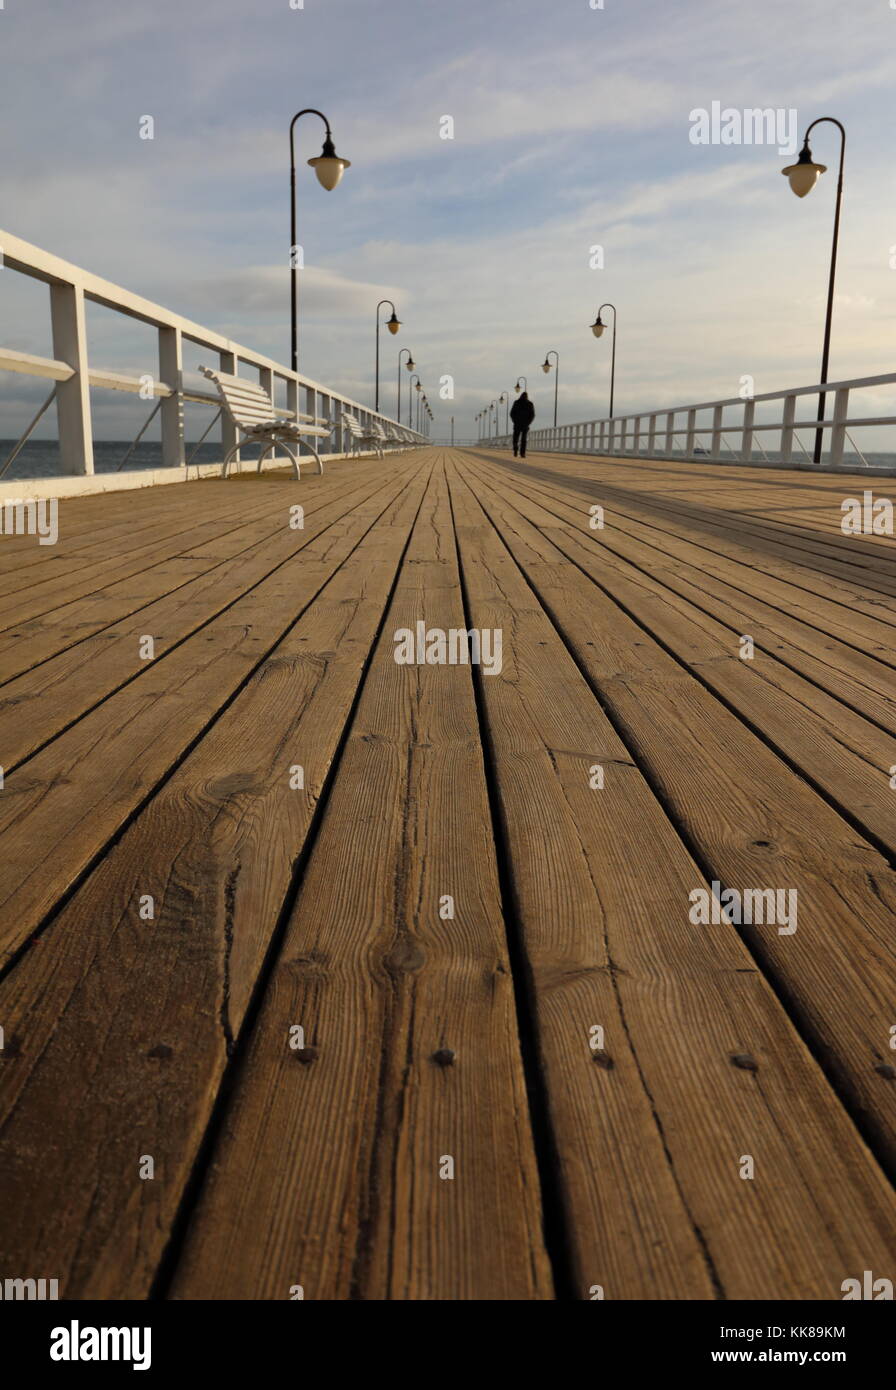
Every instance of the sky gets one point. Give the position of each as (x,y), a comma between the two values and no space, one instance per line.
(572,130)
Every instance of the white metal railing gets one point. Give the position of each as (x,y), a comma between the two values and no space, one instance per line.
(654,434)
(73,375)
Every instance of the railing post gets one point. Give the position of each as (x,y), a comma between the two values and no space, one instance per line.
(746,443)
(228,428)
(636,442)
(172,408)
(623,433)
(690,437)
(787,428)
(72,396)
(670,426)
(651,436)
(716,446)
(611,436)
(838,427)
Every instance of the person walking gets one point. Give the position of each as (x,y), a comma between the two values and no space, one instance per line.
(522,413)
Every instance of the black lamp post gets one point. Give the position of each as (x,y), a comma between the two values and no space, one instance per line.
(329,168)
(410,364)
(803,176)
(393,324)
(415,382)
(546,367)
(504,399)
(597,329)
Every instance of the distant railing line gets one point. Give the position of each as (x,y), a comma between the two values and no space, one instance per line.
(652,433)
(69,369)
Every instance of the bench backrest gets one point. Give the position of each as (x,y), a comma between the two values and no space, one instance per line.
(356,428)
(354,425)
(248,405)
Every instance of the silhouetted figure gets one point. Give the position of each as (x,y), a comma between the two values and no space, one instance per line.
(522,413)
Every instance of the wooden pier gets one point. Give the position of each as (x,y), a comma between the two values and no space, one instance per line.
(333,977)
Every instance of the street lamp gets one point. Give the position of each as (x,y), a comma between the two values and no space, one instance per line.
(504,399)
(415,382)
(410,364)
(329,168)
(494,407)
(597,329)
(518,380)
(546,367)
(393,324)
(803,176)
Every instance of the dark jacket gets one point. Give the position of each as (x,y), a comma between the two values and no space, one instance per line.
(522,412)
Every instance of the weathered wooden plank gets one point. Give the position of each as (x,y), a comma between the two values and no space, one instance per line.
(865,566)
(701,1065)
(121,1027)
(836,608)
(60,809)
(753,822)
(835,748)
(37,705)
(330,1174)
(64,580)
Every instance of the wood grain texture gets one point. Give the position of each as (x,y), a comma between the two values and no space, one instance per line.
(432,1036)
(122,1028)
(337,1161)
(40,703)
(62,806)
(752,820)
(603,885)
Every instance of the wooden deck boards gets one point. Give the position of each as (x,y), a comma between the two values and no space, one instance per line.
(261,826)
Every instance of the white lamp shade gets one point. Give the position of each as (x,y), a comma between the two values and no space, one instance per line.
(545,366)
(597,329)
(803,177)
(329,169)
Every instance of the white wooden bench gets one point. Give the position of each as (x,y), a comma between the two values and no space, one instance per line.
(252,411)
(373,438)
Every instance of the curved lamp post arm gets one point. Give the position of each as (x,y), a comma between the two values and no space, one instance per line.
(328,141)
(613,353)
(329,168)
(414,378)
(401,354)
(556,377)
(376,405)
(829,312)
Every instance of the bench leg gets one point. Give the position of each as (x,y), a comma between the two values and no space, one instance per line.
(272,448)
(320,462)
(229,457)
